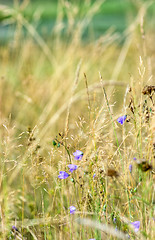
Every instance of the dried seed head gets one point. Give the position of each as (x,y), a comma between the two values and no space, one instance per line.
(112,172)
(131,105)
(129,89)
(148,90)
(144,165)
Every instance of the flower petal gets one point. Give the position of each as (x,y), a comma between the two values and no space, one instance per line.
(63,175)
(136,225)
(78,155)
(72,167)
(122,119)
(130,168)
(72,209)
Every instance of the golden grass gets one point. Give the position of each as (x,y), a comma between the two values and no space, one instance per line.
(74,92)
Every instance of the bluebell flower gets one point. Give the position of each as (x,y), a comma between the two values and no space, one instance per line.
(78,155)
(94,175)
(134,158)
(122,119)
(72,167)
(114,219)
(136,225)
(130,168)
(15,229)
(72,209)
(63,175)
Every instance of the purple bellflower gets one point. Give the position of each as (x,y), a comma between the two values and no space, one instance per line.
(72,167)
(15,229)
(78,155)
(122,119)
(114,219)
(136,225)
(94,175)
(63,175)
(130,168)
(72,209)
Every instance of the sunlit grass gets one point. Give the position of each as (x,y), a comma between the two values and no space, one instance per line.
(59,96)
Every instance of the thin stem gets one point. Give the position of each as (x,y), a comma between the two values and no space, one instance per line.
(108,106)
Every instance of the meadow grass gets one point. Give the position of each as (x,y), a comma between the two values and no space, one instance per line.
(59,96)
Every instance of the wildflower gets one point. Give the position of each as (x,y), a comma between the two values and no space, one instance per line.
(134,158)
(78,155)
(72,209)
(122,119)
(92,239)
(94,175)
(130,168)
(15,229)
(114,219)
(72,167)
(63,175)
(136,225)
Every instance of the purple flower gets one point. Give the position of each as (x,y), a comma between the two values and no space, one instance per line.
(72,167)
(130,168)
(114,220)
(14,228)
(92,239)
(136,225)
(63,175)
(122,119)
(134,158)
(78,155)
(94,175)
(72,209)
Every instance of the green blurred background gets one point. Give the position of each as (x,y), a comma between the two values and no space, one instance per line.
(116,15)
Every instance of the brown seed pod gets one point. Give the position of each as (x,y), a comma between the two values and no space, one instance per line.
(112,172)
(130,89)
(131,106)
(148,90)
(143,165)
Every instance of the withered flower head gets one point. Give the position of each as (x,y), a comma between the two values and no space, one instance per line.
(143,165)
(130,89)
(148,90)
(112,172)
(131,105)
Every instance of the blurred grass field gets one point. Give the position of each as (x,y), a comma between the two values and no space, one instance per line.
(60,93)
